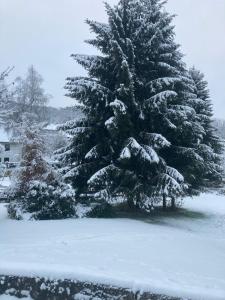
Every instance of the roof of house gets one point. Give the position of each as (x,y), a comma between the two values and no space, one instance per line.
(51,127)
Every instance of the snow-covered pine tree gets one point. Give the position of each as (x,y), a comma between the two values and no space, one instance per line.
(174,116)
(131,97)
(37,191)
(211,147)
(165,88)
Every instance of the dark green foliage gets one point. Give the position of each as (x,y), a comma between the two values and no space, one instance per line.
(101,210)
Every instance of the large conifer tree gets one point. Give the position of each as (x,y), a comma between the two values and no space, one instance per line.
(137,115)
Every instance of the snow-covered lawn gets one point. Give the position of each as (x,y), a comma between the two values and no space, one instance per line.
(180,255)
(5,181)
(7,297)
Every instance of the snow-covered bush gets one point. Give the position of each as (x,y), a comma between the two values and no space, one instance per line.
(2,169)
(38,192)
(43,202)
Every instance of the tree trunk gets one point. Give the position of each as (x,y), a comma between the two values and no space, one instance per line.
(173,203)
(164,202)
(131,204)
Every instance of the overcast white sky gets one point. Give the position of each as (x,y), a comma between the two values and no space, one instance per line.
(45,32)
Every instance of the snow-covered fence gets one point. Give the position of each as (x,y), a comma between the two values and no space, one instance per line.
(43,289)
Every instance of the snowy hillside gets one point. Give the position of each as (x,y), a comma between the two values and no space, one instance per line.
(178,255)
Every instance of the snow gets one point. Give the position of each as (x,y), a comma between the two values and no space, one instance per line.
(53,127)
(178,255)
(125,154)
(152,155)
(8,297)
(167,81)
(81,85)
(93,153)
(5,181)
(161,97)
(5,137)
(157,140)
(88,61)
(102,174)
(174,174)
(118,105)
(145,152)
(109,122)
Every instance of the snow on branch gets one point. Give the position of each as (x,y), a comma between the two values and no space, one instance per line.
(110,122)
(174,174)
(99,28)
(125,154)
(82,88)
(162,82)
(184,110)
(157,141)
(93,153)
(144,152)
(102,176)
(154,158)
(190,153)
(88,61)
(118,107)
(78,130)
(170,184)
(159,98)
(168,67)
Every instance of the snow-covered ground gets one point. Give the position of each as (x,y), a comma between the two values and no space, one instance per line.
(180,255)
(8,297)
(5,181)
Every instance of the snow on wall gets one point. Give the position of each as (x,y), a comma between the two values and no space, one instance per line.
(14,154)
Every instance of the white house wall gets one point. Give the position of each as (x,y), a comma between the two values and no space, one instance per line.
(14,154)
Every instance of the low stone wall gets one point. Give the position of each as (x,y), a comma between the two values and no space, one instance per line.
(45,289)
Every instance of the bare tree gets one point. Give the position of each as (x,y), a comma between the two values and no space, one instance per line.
(29,91)
(27,100)
(5,94)
(3,86)
(30,96)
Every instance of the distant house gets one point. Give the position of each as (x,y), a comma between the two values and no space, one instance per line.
(51,128)
(54,139)
(10,151)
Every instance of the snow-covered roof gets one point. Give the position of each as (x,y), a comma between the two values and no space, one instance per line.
(51,127)
(5,136)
